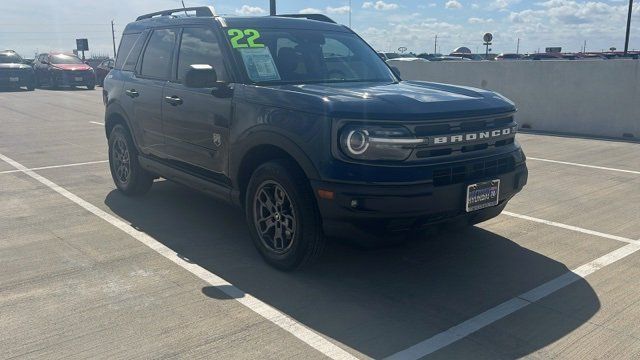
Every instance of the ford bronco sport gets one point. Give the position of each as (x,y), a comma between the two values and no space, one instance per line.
(298,122)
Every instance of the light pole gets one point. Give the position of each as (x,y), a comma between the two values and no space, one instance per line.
(349,14)
(272,8)
(626,40)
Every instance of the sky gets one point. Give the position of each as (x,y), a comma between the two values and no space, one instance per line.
(28,26)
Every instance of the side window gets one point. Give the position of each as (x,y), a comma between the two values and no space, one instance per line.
(200,46)
(156,60)
(129,51)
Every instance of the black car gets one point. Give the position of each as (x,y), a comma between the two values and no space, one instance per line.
(103,69)
(14,73)
(58,69)
(304,127)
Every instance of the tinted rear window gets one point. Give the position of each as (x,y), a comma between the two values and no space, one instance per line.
(129,50)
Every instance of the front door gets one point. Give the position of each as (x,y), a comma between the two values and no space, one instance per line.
(146,88)
(196,121)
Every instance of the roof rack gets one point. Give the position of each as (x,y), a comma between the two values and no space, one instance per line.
(316,17)
(203,11)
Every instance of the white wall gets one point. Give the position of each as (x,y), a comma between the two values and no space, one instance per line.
(593,98)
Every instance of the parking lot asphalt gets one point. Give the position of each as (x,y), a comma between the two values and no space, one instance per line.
(86,272)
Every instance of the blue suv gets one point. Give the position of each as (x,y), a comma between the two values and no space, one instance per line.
(297,121)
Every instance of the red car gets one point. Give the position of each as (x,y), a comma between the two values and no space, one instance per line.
(58,69)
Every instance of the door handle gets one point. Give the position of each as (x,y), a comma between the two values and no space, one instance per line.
(132,93)
(173,100)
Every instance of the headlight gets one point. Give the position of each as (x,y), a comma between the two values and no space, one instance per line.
(377,142)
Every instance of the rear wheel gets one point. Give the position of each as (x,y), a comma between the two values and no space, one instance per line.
(127,174)
(283,218)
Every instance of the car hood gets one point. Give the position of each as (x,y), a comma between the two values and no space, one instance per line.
(405,100)
(78,67)
(14,66)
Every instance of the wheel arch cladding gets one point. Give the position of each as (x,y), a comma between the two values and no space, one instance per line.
(266,151)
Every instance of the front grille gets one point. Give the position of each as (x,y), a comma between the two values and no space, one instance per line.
(461,127)
(472,171)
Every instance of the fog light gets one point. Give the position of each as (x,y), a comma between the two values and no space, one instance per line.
(354,204)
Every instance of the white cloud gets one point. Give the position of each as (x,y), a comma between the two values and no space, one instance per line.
(338,10)
(379,5)
(310,11)
(501,4)
(475,20)
(453,4)
(250,10)
(431,5)
(475,6)
(328,10)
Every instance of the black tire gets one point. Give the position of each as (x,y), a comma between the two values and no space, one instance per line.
(298,212)
(91,86)
(130,178)
(31,85)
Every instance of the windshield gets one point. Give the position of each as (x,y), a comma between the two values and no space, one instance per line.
(65,59)
(277,56)
(10,58)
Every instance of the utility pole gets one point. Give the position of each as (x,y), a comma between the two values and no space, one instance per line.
(584,47)
(518,47)
(435,45)
(113,36)
(626,40)
(272,8)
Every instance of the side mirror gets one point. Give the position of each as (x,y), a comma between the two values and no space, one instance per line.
(395,71)
(200,76)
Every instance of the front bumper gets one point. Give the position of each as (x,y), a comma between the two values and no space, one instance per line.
(16,79)
(372,213)
(73,78)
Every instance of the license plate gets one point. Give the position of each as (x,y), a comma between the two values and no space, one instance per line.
(14,79)
(483,195)
(78,78)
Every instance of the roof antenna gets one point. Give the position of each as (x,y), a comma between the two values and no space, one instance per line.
(272,8)
(184,7)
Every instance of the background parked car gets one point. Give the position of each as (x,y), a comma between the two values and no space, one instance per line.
(544,56)
(509,56)
(14,72)
(449,58)
(103,69)
(58,69)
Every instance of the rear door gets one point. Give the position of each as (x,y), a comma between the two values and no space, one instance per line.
(146,86)
(196,121)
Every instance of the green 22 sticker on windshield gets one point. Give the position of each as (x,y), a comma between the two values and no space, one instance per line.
(244,38)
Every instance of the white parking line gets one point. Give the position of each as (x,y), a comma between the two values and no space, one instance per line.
(509,307)
(55,166)
(97,123)
(278,318)
(570,227)
(501,311)
(584,165)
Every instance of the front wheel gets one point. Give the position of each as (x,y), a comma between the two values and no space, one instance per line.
(129,177)
(283,218)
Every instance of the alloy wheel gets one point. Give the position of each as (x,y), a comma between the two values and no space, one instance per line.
(274,217)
